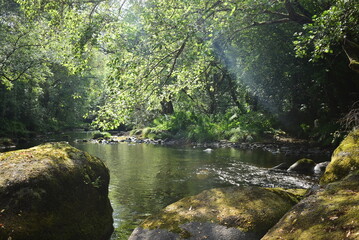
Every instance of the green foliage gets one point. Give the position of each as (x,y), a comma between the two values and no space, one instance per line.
(327,133)
(13,128)
(199,127)
(131,62)
(329,29)
(187,125)
(245,127)
(101,135)
(43,44)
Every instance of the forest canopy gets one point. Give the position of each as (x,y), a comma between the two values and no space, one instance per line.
(199,69)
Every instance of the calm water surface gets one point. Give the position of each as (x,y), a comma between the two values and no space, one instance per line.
(146,178)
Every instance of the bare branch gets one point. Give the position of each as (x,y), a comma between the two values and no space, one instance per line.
(282,15)
(351,119)
(255,24)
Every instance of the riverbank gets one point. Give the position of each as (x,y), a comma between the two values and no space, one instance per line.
(272,144)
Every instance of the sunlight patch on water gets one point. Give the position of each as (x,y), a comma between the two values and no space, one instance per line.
(244,174)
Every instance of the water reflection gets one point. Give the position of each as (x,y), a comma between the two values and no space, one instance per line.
(146,178)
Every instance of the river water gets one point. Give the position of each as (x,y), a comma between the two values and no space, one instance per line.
(145,178)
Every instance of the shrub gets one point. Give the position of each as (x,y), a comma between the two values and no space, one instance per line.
(101,135)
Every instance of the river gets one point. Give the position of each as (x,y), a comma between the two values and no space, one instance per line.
(146,178)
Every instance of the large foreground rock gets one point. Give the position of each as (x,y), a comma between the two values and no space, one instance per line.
(331,213)
(345,159)
(54,192)
(221,213)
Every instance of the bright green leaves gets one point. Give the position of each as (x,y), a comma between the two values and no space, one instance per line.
(68,29)
(21,53)
(161,54)
(45,45)
(329,29)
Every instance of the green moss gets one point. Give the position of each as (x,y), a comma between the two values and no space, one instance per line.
(101,135)
(329,214)
(147,131)
(53,191)
(306,161)
(245,208)
(354,65)
(136,132)
(345,159)
(294,194)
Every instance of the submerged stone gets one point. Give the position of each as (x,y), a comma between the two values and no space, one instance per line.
(221,213)
(54,191)
(345,159)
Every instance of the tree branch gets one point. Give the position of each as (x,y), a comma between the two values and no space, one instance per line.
(294,16)
(255,24)
(179,51)
(302,9)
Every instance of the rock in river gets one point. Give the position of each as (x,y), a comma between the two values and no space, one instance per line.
(320,167)
(54,191)
(345,159)
(303,165)
(330,213)
(232,213)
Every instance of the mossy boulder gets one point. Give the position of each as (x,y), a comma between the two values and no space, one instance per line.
(345,159)
(221,213)
(54,191)
(303,165)
(331,213)
(101,135)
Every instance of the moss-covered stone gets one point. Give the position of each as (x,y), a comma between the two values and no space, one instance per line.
(101,135)
(345,159)
(54,191)
(303,165)
(250,209)
(331,213)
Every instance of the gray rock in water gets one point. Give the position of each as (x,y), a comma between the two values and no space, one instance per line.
(208,150)
(320,167)
(218,214)
(213,231)
(195,231)
(156,234)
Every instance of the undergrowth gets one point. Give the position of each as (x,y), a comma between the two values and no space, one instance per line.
(201,127)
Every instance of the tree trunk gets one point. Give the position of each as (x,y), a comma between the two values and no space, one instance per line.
(167,107)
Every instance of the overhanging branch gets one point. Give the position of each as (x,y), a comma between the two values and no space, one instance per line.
(255,24)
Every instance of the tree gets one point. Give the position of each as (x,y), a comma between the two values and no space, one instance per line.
(336,26)
(46,73)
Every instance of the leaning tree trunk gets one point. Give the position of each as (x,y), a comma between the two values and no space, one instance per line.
(352,51)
